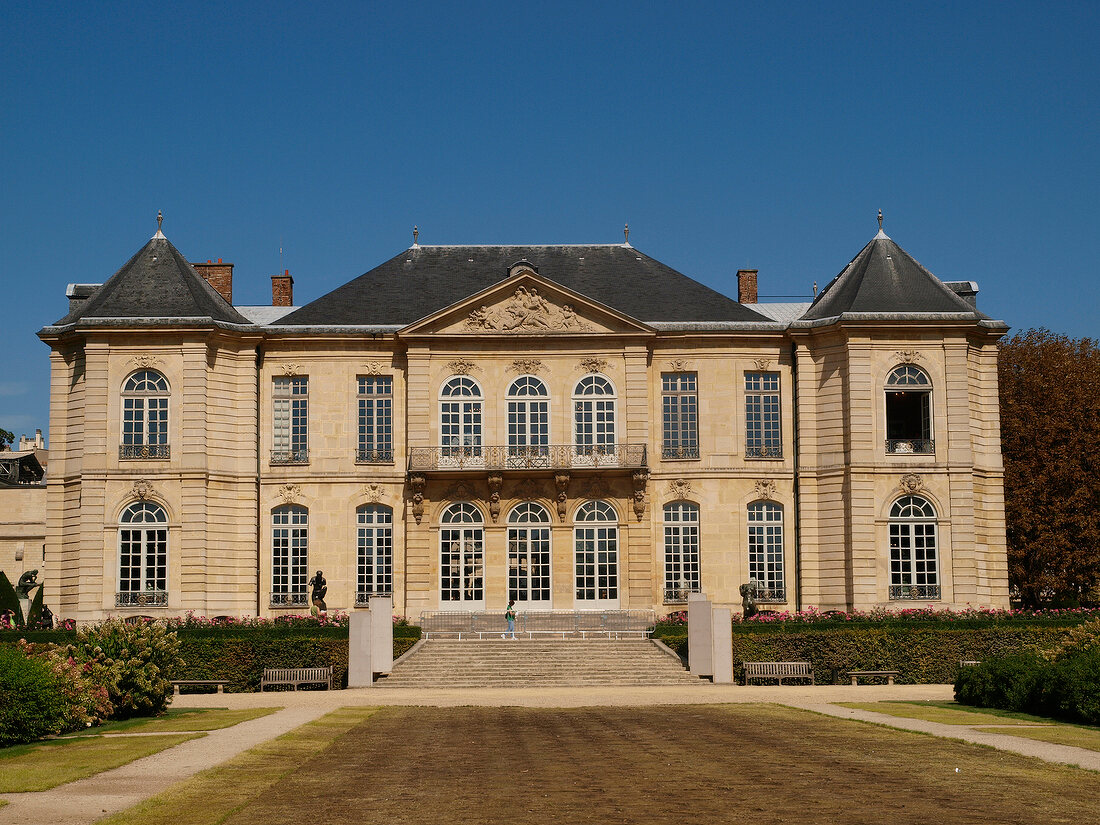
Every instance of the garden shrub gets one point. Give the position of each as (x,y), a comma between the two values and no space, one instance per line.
(1071,690)
(33,702)
(1011,682)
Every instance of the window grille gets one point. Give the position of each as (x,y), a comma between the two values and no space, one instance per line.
(680,415)
(145,416)
(290,444)
(375,419)
(763,422)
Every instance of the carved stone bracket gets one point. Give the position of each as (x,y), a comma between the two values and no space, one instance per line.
(530,366)
(911,483)
(561,481)
(593,365)
(143,489)
(374,493)
(908,356)
(765,489)
(495,481)
(641,480)
(679,488)
(417,483)
(463,367)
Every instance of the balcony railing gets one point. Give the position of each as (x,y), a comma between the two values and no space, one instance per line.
(678,595)
(771,595)
(544,457)
(764,451)
(374,455)
(142,598)
(917,592)
(143,451)
(289,600)
(678,453)
(910,445)
(362,599)
(290,456)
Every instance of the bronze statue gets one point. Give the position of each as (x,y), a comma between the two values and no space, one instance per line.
(748,597)
(320,588)
(27,583)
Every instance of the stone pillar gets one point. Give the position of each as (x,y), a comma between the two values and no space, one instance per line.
(381,631)
(721,646)
(700,635)
(360,669)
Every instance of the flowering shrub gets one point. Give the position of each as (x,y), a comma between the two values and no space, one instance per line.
(332,618)
(931,613)
(88,701)
(1082,639)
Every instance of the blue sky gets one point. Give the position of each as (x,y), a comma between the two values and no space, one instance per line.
(727,135)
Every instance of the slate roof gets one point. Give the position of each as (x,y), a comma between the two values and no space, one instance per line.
(425,279)
(159,283)
(885,279)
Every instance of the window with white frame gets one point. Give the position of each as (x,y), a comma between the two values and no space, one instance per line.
(766,550)
(460,420)
(909,411)
(375,399)
(763,422)
(679,415)
(290,444)
(594,417)
(596,555)
(289,556)
(142,556)
(529,555)
(681,523)
(528,423)
(462,557)
(145,416)
(374,540)
(914,566)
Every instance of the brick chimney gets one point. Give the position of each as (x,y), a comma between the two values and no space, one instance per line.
(220,276)
(746,286)
(282,290)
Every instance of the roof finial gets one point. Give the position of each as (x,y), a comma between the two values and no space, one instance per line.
(416,234)
(880,220)
(626,234)
(160,220)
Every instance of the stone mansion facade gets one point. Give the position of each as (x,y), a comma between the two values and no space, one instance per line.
(576,427)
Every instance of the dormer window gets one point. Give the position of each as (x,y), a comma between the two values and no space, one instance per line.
(909,411)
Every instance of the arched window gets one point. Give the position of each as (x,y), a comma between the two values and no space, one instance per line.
(144,416)
(909,411)
(374,541)
(528,423)
(596,545)
(529,555)
(681,521)
(914,568)
(766,550)
(593,419)
(142,556)
(462,557)
(289,556)
(460,421)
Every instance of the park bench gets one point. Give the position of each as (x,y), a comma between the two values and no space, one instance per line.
(296,676)
(778,670)
(181,683)
(855,674)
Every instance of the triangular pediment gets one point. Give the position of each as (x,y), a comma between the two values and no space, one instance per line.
(527,304)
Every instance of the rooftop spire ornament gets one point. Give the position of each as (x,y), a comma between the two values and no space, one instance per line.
(416,234)
(626,234)
(880,220)
(160,219)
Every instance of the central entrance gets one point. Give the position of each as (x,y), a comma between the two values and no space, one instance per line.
(596,543)
(462,558)
(529,556)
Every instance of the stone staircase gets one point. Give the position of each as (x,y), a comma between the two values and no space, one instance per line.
(474,663)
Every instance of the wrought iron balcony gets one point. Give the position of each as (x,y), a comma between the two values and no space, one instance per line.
(143,451)
(677,453)
(771,595)
(917,592)
(910,445)
(290,456)
(764,451)
(142,598)
(678,595)
(362,599)
(374,455)
(542,457)
(289,599)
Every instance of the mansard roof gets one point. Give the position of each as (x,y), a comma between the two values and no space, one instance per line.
(157,283)
(884,279)
(425,279)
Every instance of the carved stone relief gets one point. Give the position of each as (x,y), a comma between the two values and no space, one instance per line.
(680,365)
(290,493)
(596,488)
(495,481)
(417,483)
(290,369)
(911,483)
(762,364)
(641,481)
(765,489)
(527,311)
(593,365)
(374,493)
(679,488)
(145,361)
(561,481)
(373,368)
(460,491)
(463,367)
(529,489)
(143,489)
(531,366)
(908,356)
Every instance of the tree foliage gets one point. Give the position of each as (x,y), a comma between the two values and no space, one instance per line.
(6,437)
(1050,439)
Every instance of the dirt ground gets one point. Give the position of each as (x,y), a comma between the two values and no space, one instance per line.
(683,764)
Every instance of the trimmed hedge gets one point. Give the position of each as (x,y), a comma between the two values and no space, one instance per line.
(33,703)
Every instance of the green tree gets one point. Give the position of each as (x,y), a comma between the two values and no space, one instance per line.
(6,438)
(1050,439)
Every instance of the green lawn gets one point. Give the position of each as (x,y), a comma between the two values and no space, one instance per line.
(180,720)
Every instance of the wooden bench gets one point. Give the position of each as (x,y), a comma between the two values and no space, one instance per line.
(218,683)
(855,674)
(296,676)
(778,670)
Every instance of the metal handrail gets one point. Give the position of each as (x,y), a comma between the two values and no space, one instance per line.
(537,457)
(565,623)
(918,592)
(143,451)
(910,445)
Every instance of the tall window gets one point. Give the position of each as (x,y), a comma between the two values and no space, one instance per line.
(914,570)
(291,428)
(529,555)
(680,415)
(144,416)
(762,418)
(681,550)
(375,544)
(528,423)
(289,556)
(909,411)
(375,419)
(462,557)
(596,545)
(593,419)
(460,421)
(766,550)
(142,556)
